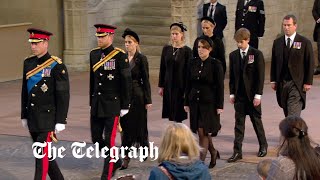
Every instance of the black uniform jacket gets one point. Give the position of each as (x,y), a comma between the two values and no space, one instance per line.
(205,82)
(251,16)
(300,63)
(253,72)
(316,16)
(47,102)
(110,85)
(220,17)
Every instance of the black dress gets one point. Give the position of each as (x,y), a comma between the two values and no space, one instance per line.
(218,51)
(134,124)
(172,78)
(204,94)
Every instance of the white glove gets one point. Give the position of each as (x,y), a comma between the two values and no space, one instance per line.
(123,112)
(24,123)
(59,127)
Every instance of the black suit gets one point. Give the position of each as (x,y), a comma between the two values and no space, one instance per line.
(220,17)
(299,67)
(252,17)
(44,103)
(316,32)
(110,88)
(246,81)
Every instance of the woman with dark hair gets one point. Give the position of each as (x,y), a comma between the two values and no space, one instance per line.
(172,76)
(134,124)
(204,97)
(297,158)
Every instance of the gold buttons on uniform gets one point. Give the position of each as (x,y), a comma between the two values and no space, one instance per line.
(35,85)
(32,104)
(33,95)
(48,110)
(100,84)
(99,93)
(115,97)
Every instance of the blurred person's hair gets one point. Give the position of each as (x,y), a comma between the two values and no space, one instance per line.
(263,167)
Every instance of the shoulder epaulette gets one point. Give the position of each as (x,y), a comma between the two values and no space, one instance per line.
(28,57)
(121,50)
(95,48)
(57,59)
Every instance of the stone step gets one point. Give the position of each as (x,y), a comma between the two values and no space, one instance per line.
(145,30)
(147,20)
(149,11)
(152,40)
(153,3)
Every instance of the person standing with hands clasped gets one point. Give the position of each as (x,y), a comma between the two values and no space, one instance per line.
(246,88)
(110,90)
(44,99)
(204,97)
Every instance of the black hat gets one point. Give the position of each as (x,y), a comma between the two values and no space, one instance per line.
(104,29)
(131,33)
(38,35)
(206,38)
(180,25)
(208,19)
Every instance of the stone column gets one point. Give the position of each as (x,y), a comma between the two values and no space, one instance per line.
(76,52)
(185,11)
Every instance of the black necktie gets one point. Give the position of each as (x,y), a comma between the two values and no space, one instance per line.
(288,43)
(211,11)
(242,59)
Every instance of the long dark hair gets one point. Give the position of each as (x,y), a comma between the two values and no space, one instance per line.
(297,146)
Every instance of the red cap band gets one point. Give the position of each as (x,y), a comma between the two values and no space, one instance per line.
(104,30)
(39,36)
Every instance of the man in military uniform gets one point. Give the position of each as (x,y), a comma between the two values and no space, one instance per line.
(110,87)
(250,15)
(44,99)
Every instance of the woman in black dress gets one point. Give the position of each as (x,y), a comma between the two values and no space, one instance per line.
(172,76)
(134,124)
(218,52)
(204,97)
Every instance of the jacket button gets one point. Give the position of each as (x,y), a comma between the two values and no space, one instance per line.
(198,99)
(115,97)
(100,84)
(99,93)
(198,91)
(48,110)
(45,80)
(199,71)
(33,95)
(101,74)
(32,104)
(198,78)
(241,24)
(35,85)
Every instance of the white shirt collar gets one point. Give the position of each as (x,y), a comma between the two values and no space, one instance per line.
(246,51)
(291,37)
(214,4)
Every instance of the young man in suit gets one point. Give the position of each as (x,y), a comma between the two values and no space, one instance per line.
(250,14)
(246,88)
(292,66)
(218,13)
(110,90)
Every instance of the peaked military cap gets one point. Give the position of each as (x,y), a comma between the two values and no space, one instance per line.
(38,35)
(104,29)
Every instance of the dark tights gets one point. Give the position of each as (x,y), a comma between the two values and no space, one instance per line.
(205,142)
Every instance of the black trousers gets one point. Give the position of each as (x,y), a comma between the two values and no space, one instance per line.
(291,100)
(108,128)
(44,166)
(242,108)
(254,41)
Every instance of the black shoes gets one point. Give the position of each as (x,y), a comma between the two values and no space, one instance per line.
(235,157)
(214,160)
(262,152)
(116,166)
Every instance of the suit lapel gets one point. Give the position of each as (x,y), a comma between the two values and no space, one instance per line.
(237,63)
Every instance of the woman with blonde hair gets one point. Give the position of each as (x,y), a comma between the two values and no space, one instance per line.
(172,76)
(134,124)
(178,156)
